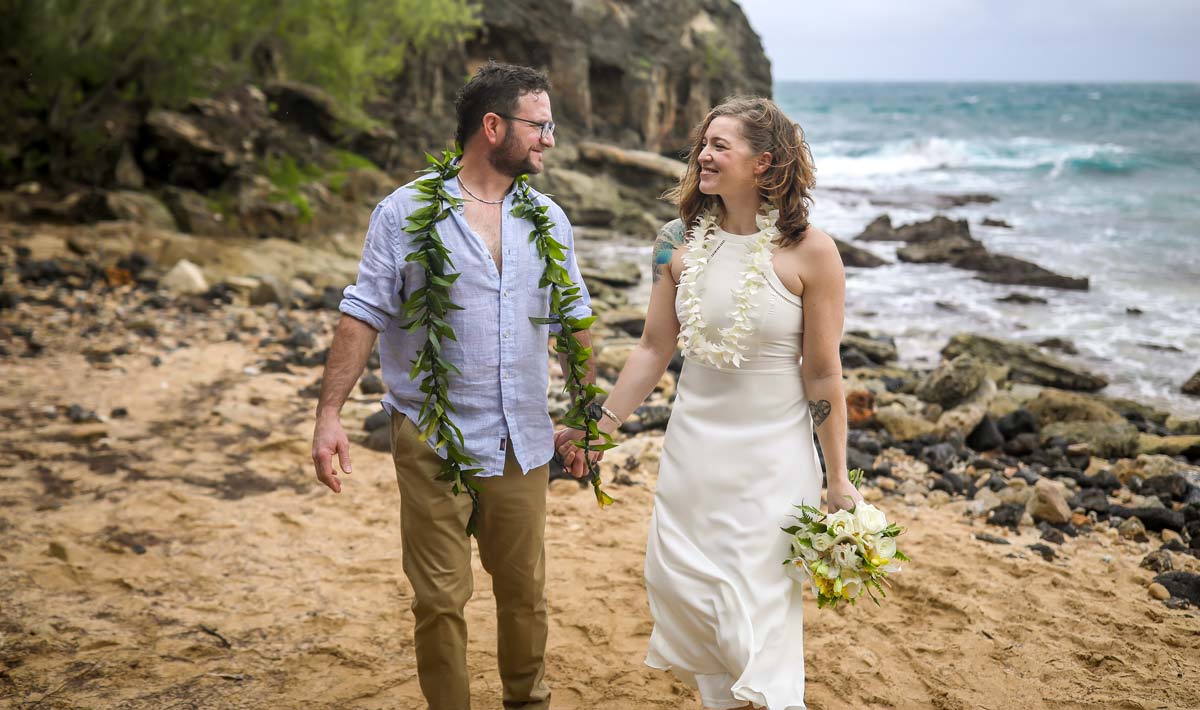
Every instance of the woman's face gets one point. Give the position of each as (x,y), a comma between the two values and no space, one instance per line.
(726,159)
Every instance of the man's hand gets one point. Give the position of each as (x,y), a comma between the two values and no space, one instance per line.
(571,455)
(329,438)
(841,494)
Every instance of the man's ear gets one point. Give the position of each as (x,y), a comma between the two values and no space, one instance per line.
(492,131)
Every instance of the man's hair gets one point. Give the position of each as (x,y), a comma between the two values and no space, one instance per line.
(495,88)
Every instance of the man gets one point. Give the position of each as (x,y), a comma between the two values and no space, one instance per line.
(504,125)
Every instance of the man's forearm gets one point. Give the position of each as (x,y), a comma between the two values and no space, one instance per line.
(348,353)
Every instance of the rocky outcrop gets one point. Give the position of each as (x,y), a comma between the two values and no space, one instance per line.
(1026,363)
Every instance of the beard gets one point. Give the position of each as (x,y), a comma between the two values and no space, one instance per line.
(508,159)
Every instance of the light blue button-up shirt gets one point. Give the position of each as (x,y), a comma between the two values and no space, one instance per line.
(500,397)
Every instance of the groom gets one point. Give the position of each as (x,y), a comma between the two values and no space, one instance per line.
(504,125)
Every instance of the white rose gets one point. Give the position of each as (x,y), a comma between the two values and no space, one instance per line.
(870,519)
(822,541)
(841,523)
(851,588)
(886,548)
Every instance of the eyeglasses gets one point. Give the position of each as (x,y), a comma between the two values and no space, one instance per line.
(546,127)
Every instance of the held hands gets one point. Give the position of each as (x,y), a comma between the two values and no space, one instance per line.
(329,438)
(571,455)
(841,494)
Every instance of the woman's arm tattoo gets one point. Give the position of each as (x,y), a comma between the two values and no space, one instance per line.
(819,410)
(669,237)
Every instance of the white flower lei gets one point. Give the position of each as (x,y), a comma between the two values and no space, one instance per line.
(725,346)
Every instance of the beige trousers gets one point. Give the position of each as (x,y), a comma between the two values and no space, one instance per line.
(437,562)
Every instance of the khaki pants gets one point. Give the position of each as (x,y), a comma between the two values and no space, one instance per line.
(437,562)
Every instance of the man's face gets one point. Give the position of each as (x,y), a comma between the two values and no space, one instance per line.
(520,152)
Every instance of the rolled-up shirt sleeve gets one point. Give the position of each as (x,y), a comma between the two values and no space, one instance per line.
(581,308)
(375,297)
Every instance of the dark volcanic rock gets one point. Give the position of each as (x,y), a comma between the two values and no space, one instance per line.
(1192,386)
(1027,363)
(858,257)
(1157,561)
(1182,585)
(1007,516)
(377,420)
(1092,499)
(985,436)
(1153,518)
(1018,421)
(371,383)
(1022,298)
(879,230)
(1004,269)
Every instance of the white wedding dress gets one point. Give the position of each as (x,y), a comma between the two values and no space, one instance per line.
(738,454)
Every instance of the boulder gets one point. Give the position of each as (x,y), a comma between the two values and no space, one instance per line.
(134,206)
(1054,405)
(1049,502)
(588,199)
(194,213)
(946,250)
(952,381)
(1192,386)
(857,256)
(879,230)
(966,415)
(933,230)
(622,274)
(1026,363)
(902,425)
(1004,269)
(308,108)
(178,151)
(880,350)
(184,278)
(1187,446)
(1105,439)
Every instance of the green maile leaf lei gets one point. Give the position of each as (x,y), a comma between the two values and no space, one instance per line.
(427,309)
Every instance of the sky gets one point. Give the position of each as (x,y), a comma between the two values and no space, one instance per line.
(979,40)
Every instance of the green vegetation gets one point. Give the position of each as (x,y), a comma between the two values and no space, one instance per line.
(75,72)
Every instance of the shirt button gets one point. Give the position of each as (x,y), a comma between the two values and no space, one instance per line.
(506,333)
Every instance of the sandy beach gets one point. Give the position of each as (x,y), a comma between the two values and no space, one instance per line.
(182,556)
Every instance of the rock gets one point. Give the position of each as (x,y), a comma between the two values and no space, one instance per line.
(309,108)
(1155,519)
(612,357)
(987,499)
(936,229)
(587,199)
(852,359)
(879,230)
(179,152)
(1004,269)
(377,420)
(1021,298)
(1182,585)
(952,381)
(990,222)
(1008,515)
(184,278)
(1019,421)
(1171,538)
(1022,444)
(1092,499)
(1049,503)
(1192,386)
(270,289)
(901,425)
(985,436)
(1132,529)
(1187,446)
(1044,550)
(1053,405)
(58,551)
(1060,344)
(860,409)
(1051,534)
(1158,591)
(1157,561)
(1169,487)
(1181,425)
(963,418)
(379,439)
(1026,363)
(653,416)
(371,383)
(564,486)
(1147,467)
(640,161)
(1106,439)
(993,539)
(947,250)
(133,206)
(621,275)
(940,457)
(880,349)
(857,256)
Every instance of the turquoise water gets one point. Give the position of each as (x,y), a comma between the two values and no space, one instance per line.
(1097,180)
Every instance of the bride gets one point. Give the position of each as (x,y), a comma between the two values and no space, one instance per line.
(756,293)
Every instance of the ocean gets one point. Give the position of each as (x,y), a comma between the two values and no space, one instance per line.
(1097,180)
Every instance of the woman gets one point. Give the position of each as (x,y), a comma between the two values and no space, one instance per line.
(751,287)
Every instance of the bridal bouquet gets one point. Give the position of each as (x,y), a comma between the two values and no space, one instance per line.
(844,554)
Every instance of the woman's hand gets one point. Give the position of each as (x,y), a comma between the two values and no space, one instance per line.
(841,494)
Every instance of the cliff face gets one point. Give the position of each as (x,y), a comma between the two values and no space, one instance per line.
(639,73)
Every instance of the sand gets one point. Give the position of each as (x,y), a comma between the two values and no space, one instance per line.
(184,557)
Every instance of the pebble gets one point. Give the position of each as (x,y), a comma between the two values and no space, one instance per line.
(1158,591)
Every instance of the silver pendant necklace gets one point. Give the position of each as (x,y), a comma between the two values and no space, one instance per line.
(477,198)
